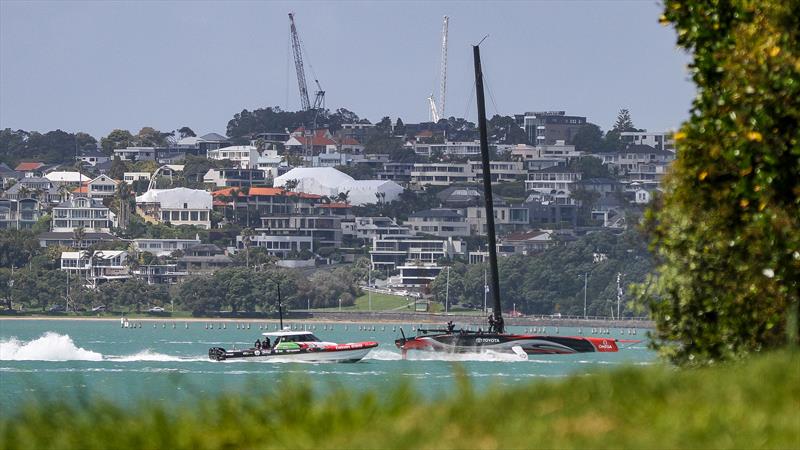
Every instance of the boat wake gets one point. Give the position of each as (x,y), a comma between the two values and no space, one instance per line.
(49,347)
(489,355)
(52,346)
(149,355)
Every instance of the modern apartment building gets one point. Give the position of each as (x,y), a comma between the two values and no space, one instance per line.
(389,253)
(441,222)
(547,127)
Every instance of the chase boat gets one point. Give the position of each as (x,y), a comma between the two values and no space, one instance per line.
(287,345)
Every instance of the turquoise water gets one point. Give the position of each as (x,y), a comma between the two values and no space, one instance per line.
(40,359)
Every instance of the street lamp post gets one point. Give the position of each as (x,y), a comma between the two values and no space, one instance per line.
(340,305)
(447,292)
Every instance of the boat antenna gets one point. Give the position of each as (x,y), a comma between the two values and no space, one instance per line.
(496,319)
(280,305)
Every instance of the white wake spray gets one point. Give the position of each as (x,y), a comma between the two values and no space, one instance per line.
(49,347)
(488,355)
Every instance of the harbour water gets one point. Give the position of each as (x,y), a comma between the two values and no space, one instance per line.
(166,361)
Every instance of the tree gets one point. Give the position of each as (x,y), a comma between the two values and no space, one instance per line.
(624,122)
(728,231)
(589,138)
(590,167)
(247,235)
(150,137)
(399,128)
(118,168)
(185,132)
(384,126)
(504,129)
(116,139)
(79,235)
(290,185)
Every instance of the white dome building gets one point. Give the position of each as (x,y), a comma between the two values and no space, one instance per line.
(329,181)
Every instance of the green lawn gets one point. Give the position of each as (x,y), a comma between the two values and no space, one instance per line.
(753,403)
(380,302)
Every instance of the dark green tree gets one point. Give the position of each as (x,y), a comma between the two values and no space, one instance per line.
(589,138)
(727,234)
(116,139)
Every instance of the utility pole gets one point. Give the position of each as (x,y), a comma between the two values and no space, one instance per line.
(585,284)
(447,292)
(619,293)
(369,286)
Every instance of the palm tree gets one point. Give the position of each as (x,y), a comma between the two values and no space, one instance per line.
(343,197)
(64,191)
(24,192)
(247,234)
(79,235)
(123,195)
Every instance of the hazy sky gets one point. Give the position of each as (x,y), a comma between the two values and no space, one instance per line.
(95,66)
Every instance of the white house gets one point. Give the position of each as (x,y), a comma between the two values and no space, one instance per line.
(102,186)
(164,247)
(131,177)
(77,212)
(59,178)
(178,206)
(97,267)
(246,156)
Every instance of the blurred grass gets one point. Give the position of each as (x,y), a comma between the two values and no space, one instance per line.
(748,404)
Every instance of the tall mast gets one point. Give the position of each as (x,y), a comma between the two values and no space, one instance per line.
(487,192)
(443,69)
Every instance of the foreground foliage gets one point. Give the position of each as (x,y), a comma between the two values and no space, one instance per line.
(752,404)
(728,232)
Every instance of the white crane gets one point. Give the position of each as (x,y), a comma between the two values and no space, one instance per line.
(438,113)
(443,69)
(434,115)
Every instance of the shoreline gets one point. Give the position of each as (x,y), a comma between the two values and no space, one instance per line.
(356,318)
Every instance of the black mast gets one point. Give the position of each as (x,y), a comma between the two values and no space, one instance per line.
(280,305)
(496,320)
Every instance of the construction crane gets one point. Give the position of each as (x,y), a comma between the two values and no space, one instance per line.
(298,65)
(434,115)
(437,113)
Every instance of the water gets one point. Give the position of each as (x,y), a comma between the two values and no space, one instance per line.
(75,358)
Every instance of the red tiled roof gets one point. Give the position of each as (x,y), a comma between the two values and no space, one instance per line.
(219,203)
(23,166)
(315,140)
(227,192)
(425,133)
(266,191)
(349,141)
(81,190)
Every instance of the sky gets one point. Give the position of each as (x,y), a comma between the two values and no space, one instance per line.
(96,66)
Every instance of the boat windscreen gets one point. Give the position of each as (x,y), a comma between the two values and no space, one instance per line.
(300,338)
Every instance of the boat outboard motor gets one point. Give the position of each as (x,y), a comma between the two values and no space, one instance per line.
(216,353)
